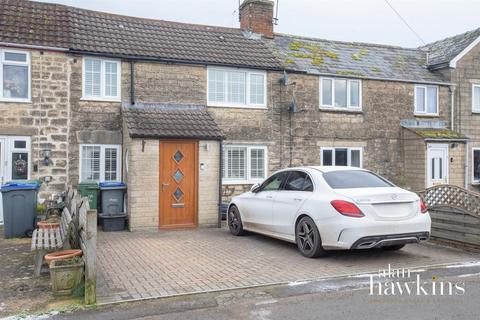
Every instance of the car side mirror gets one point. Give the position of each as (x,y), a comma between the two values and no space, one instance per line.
(255,188)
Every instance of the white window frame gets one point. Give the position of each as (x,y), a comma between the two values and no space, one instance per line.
(16,63)
(102,161)
(475,181)
(348,107)
(247,104)
(249,179)
(102,96)
(475,85)
(425,113)
(349,154)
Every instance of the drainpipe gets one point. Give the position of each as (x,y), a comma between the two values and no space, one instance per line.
(220,185)
(466,167)
(132,82)
(452,107)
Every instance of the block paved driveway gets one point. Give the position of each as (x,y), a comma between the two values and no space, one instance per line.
(158,264)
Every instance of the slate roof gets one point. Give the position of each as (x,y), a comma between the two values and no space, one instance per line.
(171,121)
(362,60)
(54,25)
(437,133)
(443,51)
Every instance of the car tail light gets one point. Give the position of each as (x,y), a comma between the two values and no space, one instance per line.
(347,208)
(423,207)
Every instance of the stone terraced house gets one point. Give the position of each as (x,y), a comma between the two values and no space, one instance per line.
(190,115)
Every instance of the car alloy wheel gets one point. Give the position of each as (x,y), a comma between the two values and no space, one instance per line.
(308,238)
(235,221)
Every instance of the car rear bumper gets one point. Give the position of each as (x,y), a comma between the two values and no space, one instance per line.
(390,240)
(364,233)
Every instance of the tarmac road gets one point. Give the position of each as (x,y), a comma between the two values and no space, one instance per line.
(341,298)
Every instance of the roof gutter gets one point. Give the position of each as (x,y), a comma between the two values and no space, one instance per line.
(168,60)
(372,78)
(31,46)
(141,136)
(446,140)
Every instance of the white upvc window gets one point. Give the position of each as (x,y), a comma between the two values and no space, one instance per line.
(101,79)
(100,162)
(341,156)
(426,100)
(242,88)
(476,165)
(244,164)
(476,98)
(15,77)
(341,94)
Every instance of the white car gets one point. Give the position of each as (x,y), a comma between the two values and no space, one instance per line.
(322,208)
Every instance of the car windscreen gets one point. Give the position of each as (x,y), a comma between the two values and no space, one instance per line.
(350,179)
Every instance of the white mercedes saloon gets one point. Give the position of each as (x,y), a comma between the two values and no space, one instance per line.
(322,208)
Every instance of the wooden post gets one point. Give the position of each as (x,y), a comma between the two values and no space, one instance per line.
(90,256)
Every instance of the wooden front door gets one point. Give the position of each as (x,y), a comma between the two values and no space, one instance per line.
(178,184)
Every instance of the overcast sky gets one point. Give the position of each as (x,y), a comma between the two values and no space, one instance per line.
(349,20)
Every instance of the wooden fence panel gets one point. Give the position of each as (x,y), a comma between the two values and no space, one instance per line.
(87,228)
(452,196)
(84,236)
(455,214)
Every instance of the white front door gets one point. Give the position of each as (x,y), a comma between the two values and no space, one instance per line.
(437,164)
(15,161)
(2,174)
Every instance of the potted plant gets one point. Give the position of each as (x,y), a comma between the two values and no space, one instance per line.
(50,223)
(66,275)
(41,211)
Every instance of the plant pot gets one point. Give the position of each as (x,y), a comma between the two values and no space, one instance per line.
(66,275)
(62,255)
(48,225)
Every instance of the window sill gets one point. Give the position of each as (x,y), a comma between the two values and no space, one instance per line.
(475,111)
(100,99)
(236,106)
(15,100)
(240,182)
(427,115)
(342,110)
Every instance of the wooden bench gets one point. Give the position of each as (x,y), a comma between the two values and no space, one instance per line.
(49,240)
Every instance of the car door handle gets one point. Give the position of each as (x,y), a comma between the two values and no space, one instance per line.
(269,197)
(297,199)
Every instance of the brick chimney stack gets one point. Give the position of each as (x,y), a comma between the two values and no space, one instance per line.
(257,16)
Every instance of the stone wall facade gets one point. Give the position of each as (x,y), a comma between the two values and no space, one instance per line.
(60,119)
(142,201)
(456,166)
(45,119)
(467,73)
(91,121)
(144,189)
(295,139)
(414,158)
(208,183)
